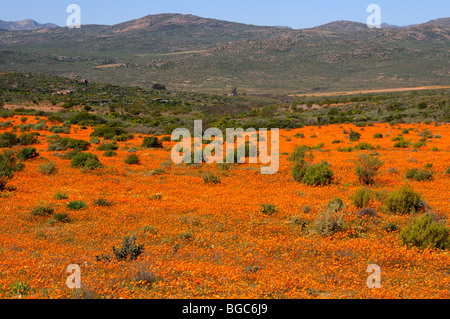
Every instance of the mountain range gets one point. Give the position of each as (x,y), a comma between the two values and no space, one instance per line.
(187,52)
(27,24)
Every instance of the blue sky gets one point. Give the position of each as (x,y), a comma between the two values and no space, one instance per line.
(293,13)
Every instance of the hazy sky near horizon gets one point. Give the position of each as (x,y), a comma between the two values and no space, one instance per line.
(293,13)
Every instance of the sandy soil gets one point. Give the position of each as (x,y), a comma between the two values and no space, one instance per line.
(375,91)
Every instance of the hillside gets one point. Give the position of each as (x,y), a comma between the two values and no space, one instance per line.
(190,53)
(27,24)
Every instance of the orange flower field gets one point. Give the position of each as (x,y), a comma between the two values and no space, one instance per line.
(205,240)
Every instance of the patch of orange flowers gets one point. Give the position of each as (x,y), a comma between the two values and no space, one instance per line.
(234,250)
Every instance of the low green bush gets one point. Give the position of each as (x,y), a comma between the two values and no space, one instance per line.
(419,174)
(318,174)
(27,153)
(86,161)
(328,223)
(132,159)
(335,205)
(425,232)
(66,143)
(404,201)
(62,218)
(103,202)
(151,142)
(8,140)
(9,165)
(108,131)
(268,209)
(76,205)
(42,211)
(402,144)
(354,136)
(362,198)
(211,178)
(367,167)
(60,196)
(363,146)
(419,144)
(109,154)
(129,250)
(107,147)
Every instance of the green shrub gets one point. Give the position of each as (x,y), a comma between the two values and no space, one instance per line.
(367,167)
(59,129)
(157,171)
(318,174)
(132,159)
(166,139)
(447,172)
(404,201)
(402,144)
(26,127)
(85,161)
(346,149)
(28,138)
(335,205)
(129,250)
(62,218)
(211,178)
(299,153)
(8,140)
(85,118)
(66,143)
(123,137)
(328,222)
(60,196)
(76,205)
(362,198)
(42,211)
(107,147)
(108,131)
(298,170)
(94,140)
(378,135)
(268,209)
(103,202)
(8,166)
(151,142)
(398,138)
(425,232)
(419,144)
(364,146)
(71,154)
(354,136)
(48,168)
(422,105)
(419,175)
(27,153)
(109,154)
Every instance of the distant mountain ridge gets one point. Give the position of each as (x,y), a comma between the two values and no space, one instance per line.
(188,52)
(150,22)
(27,24)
